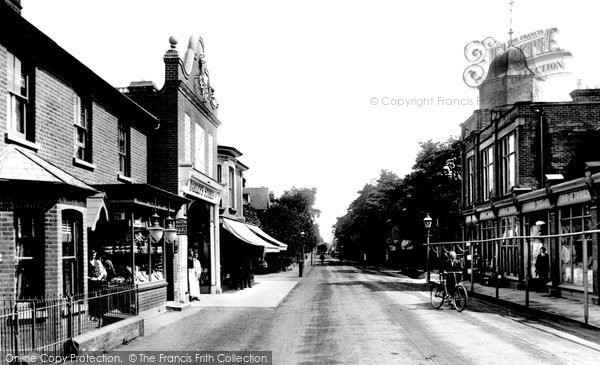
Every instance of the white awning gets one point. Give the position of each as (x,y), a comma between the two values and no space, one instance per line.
(260,233)
(241,231)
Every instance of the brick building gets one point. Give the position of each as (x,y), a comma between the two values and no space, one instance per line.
(244,245)
(184,160)
(527,172)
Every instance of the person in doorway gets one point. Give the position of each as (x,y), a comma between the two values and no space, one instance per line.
(194,274)
(542,266)
(96,272)
(96,279)
(109,267)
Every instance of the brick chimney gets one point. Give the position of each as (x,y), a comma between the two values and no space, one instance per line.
(585,95)
(172,60)
(14,5)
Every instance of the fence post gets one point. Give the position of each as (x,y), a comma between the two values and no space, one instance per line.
(528,273)
(34,318)
(497,268)
(472,266)
(585,281)
(70,317)
(16,329)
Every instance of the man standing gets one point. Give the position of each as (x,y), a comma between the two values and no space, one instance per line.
(542,266)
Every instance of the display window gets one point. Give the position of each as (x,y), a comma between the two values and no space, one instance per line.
(575,219)
(127,251)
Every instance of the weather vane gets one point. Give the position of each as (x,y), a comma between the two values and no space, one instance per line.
(511,4)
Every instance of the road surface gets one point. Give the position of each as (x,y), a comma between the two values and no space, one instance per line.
(339,314)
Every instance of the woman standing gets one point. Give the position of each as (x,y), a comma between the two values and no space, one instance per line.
(194,273)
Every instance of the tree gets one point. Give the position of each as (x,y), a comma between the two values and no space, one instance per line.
(432,187)
(290,215)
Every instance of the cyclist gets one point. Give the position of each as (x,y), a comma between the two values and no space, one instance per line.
(451,265)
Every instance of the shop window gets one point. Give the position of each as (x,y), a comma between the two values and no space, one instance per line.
(487,162)
(575,219)
(535,225)
(72,247)
(29,230)
(124,150)
(17,99)
(133,255)
(509,248)
(149,255)
(487,252)
(507,154)
(82,122)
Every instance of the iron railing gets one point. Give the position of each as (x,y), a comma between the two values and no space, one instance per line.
(48,325)
(468,250)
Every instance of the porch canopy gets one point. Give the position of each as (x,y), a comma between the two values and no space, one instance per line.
(260,233)
(20,165)
(242,232)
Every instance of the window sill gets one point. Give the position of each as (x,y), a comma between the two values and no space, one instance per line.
(123,178)
(84,164)
(20,140)
(149,285)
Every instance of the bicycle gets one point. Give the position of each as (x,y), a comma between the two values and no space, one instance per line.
(439,294)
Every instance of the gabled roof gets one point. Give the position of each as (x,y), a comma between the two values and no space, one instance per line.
(27,41)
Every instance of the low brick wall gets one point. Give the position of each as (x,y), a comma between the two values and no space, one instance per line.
(111,336)
(152,296)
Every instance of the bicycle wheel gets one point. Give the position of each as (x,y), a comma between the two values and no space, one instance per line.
(460,298)
(437,296)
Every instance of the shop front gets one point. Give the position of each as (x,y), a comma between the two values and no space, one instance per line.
(199,232)
(136,241)
(243,253)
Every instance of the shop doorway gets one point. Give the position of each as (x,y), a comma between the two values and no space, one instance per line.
(199,240)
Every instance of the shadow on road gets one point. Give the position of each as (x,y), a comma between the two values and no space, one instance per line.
(384,285)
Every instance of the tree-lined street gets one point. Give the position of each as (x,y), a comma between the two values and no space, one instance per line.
(339,313)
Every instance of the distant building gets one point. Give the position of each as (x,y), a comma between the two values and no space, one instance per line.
(258,198)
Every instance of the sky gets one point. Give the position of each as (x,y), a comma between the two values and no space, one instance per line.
(320,94)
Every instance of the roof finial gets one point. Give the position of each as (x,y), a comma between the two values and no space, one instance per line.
(511,4)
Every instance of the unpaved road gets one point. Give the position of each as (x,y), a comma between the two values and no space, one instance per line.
(339,314)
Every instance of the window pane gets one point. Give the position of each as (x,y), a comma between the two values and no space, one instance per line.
(199,154)
(187,139)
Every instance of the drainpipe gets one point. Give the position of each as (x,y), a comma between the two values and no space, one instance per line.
(541,122)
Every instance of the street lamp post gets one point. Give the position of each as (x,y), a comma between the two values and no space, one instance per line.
(301,261)
(427,222)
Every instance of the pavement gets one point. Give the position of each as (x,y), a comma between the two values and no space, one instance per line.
(268,291)
(541,304)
